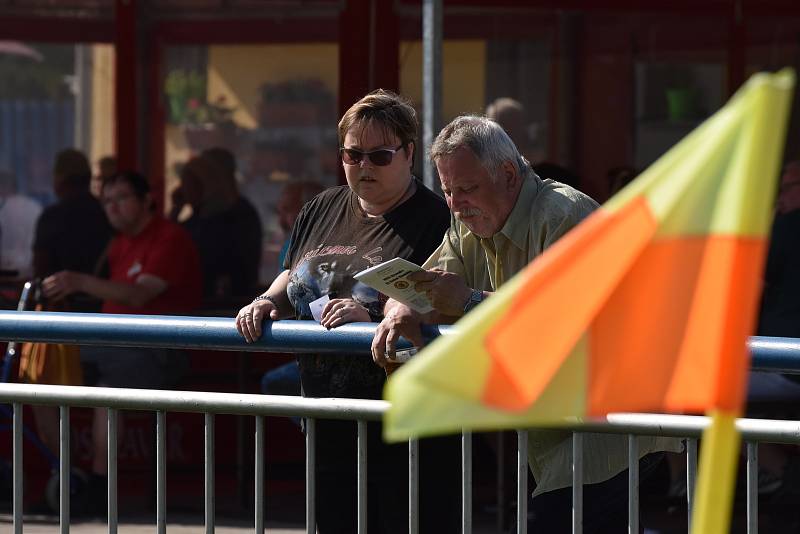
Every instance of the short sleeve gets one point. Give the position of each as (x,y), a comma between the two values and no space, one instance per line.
(299,230)
(168,256)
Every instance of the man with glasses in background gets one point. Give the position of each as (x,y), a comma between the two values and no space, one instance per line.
(154,270)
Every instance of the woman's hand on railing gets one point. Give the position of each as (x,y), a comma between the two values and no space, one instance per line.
(250,318)
(342,311)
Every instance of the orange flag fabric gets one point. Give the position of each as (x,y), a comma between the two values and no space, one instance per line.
(646,306)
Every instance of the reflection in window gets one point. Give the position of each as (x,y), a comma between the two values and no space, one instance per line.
(272,106)
(53,96)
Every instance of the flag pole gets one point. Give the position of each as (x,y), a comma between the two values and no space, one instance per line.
(717,475)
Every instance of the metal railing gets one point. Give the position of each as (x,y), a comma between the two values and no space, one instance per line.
(300,336)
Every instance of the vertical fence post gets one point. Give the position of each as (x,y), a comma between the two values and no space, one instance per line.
(63,469)
(413,486)
(501,481)
(209,472)
(577,482)
(17,432)
(311,477)
(112,416)
(522,481)
(161,472)
(259,479)
(691,477)
(361,459)
(466,482)
(752,487)
(633,484)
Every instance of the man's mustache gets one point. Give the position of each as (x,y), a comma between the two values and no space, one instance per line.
(468,212)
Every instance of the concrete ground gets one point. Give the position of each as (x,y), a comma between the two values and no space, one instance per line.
(177,526)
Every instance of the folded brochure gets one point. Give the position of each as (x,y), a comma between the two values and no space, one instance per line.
(391,279)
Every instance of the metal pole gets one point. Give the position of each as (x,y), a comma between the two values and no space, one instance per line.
(633,484)
(691,476)
(112,416)
(413,486)
(161,472)
(209,472)
(17,431)
(431,84)
(466,482)
(259,465)
(752,487)
(577,483)
(361,458)
(522,481)
(311,479)
(63,469)
(501,481)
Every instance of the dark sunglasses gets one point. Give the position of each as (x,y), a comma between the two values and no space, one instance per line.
(380,157)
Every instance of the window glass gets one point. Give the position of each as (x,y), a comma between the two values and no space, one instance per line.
(53,96)
(272,106)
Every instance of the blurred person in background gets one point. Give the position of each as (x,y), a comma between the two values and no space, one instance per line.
(208,186)
(18,216)
(106,167)
(154,270)
(510,114)
(73,233)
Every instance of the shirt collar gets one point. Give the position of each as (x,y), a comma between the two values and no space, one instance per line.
(516,227)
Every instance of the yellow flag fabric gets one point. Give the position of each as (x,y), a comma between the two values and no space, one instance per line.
(645,306)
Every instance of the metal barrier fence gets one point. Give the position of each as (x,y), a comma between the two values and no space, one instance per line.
(299,336)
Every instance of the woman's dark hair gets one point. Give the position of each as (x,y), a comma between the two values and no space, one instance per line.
(137,181)
(385,109)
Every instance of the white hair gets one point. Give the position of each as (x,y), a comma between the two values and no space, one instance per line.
(487,141)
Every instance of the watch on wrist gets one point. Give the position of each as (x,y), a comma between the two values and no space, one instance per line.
(475,298)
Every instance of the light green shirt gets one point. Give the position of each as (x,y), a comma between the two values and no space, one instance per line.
(545,210)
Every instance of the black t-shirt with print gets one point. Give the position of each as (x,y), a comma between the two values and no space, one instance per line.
(331,241)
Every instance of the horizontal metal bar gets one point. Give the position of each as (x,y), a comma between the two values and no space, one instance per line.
(692,426)
(193,401)
(772,431)
(775,354)
(219,333)
(209,333)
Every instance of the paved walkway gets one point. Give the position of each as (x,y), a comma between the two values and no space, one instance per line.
(179,526)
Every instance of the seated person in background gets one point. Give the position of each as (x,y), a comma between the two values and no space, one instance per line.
(106,167)
(208,185)
(72,234)
(18,216)
(383,212)
(504,217)
(154,270)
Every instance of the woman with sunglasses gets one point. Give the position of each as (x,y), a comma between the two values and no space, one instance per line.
(383,212)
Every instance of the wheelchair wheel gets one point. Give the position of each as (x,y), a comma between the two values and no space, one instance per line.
(78,492)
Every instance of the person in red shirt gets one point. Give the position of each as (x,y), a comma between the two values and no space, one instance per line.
(154,270)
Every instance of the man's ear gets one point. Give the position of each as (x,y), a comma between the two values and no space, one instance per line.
(410,149)
(510,175)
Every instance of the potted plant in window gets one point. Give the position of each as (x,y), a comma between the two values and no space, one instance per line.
(205,124)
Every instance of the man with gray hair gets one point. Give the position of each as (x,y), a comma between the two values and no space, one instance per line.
(504,216)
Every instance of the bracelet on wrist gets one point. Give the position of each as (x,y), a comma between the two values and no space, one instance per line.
(266,297)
